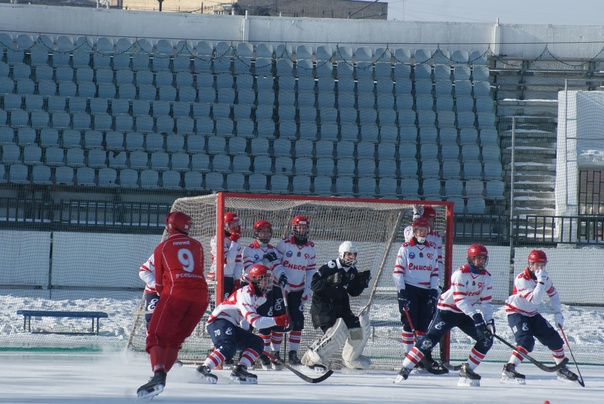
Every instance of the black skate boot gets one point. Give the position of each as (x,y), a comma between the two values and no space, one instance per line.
(509,374)
(467,377)
(565,374)
(276,365)
(431,366)
(155,385)
(293,359)
(265,362)
(402,375)
(206,376)
(242,376)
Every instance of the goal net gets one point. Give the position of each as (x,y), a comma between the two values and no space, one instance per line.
(376,226)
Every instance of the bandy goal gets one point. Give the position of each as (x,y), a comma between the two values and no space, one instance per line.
(375,225)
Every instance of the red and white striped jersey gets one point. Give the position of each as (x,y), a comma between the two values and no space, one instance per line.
(435,241)
(240,310)
(528,295)
(468,292)
(147,273)
(297,262)
(417,265)
(253,253)
(232,257)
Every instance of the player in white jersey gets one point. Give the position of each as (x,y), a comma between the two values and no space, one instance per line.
(522,309)
(416,279)
(298,264)
(433,238)
(229,326)
(260,251)
(147,273)
(471,288)
(232,255)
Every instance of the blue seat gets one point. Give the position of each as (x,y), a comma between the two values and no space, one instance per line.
(19,174)
(128,178)
(214,181)
(107,177)
(64,176)
(75,158)
(154,142)
(118,159)
(54,156)
(279,183)
(85,177)
(149,179)
(263,165)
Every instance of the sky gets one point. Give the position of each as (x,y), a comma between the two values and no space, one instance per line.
(556,12)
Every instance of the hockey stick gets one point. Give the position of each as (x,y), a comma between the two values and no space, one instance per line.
(581,382)
(534,361)
(301,375)
(286,305)
(427,368)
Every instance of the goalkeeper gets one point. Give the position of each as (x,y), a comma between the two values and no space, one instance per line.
(330,310)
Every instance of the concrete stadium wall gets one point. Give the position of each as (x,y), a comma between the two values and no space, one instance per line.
(110,261)
(526,41)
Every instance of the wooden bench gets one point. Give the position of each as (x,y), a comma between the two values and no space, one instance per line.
(94,315)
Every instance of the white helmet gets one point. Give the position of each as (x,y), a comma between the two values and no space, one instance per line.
(348,247)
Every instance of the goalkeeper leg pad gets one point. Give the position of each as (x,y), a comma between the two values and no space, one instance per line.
(353,348)
(321,351)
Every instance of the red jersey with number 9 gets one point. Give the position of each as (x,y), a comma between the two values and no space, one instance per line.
(179,268)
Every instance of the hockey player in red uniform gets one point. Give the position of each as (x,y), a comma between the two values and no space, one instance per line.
(260,251)
(183,292)
(298,264)
(522,309)
(147,273)
(229,326)
(232,254)
(416,279)
(471,286)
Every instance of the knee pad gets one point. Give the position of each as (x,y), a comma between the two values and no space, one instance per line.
(323,349)
(355,344)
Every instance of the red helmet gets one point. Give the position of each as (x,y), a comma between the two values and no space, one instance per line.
(260,225)
(421,222)
(178,222)
(537,256)
(261,277)
(298,223)
(231,222)
(429,212)
(478,250)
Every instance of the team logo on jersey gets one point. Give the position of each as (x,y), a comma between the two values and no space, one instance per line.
(439,325)
(412,255)
(289,254)
(525,327)
(229,331)
(430,256)
(480,285)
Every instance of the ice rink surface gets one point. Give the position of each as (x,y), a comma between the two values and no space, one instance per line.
(111,378)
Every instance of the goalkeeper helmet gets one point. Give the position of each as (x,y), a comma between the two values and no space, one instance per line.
(421,227)
(348,253)
(300,226)
(263,225)
(537,259)
(231,222)
(261,277)
(178,222)
(478,256)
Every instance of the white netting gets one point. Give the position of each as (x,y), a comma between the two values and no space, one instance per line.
(375,225)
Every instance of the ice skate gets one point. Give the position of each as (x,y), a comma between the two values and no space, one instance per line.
(509,374)
(206,376)
(265,362)
(431,366)
(293,359)
(565,374)
(402,375)
(153,387)
(467,377)
(275,364)
(242,376)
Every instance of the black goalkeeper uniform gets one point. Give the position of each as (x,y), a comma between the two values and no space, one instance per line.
(329,301)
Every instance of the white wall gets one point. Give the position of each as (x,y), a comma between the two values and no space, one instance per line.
(516,40)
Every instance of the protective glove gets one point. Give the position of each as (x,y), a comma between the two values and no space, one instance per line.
(283,281)
(270,257)
(418,211)
(403,300)
(432,297)
(306,295)
(234,237)
(482,333)
(335,278)
(541,275)
(559,318)
(282,320)
(364,278)
(211,276)
(491,326)
(236,285)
